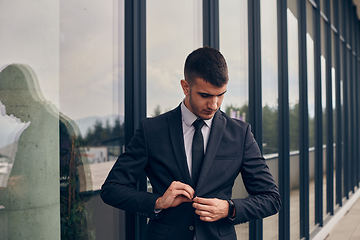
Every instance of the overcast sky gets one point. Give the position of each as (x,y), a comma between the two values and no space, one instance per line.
(30,36)
(76,50)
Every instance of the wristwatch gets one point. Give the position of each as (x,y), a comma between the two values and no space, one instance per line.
(231,208)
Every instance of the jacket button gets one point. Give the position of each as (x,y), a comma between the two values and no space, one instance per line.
(191,228)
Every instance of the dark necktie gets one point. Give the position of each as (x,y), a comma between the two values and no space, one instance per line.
(197,150)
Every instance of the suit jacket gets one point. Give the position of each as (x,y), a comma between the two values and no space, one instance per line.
(158,148)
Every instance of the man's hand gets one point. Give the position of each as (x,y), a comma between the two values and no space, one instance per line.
(176,194)
(211,209)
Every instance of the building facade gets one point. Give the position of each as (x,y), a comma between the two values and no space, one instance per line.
(76,77)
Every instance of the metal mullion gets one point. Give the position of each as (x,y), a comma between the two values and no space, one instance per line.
(358,99)
(303,124)
(350,120)
(357,107)
(345,106)
(350,101)
(255,92)
(353,99)
(345,124)
(338,135)
(358,117)
(357,79)
(255,84)
(318,122)
(135,94)
(355,136)
(284,129)
(354,144)
(329,118)
(348,123)
(211,23)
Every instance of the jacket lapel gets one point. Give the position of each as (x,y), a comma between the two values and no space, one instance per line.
(177,142)
(217,130)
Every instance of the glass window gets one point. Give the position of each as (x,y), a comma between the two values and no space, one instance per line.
(343,50)
(234,46)
(91,115)
(293,63)
(166,53)
(333,73)
(311,106)
(66,130)
(29,120)
(333,77)
(269,75)
(324,42)
(293,53)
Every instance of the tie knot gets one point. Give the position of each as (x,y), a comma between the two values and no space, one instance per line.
(198,124)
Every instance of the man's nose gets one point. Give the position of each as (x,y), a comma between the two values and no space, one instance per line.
(213,103)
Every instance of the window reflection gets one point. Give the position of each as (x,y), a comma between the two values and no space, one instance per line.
(166,53)
(92,115)
(28,155)
(234,46)
(333,75)
(323,66)
(311,107)
(324,141)
(293,63)
(293,53)
(269,75)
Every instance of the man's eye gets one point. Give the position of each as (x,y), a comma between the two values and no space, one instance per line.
(204,95)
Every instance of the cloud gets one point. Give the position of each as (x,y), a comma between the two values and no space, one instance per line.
(89,71)
(30,35)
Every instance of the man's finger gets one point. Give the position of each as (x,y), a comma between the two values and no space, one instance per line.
(207,219)
(182,186)
(201,207)
(203,213)
(178,193)
(204,201)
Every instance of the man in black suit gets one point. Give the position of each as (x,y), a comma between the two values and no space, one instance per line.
(192,166)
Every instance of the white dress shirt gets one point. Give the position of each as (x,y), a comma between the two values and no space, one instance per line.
(188,131)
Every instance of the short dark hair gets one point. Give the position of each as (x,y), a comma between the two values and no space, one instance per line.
(206,63)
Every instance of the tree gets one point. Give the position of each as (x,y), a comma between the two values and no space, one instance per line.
(294,127)
(157,111)
(270,130)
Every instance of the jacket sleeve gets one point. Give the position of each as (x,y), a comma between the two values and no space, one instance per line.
(264,198)
(119,189)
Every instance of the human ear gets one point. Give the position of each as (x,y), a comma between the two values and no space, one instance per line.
(185,86)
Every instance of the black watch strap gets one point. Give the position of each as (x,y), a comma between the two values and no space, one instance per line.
(231,208)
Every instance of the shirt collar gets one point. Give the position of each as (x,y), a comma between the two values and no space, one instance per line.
(188,117)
